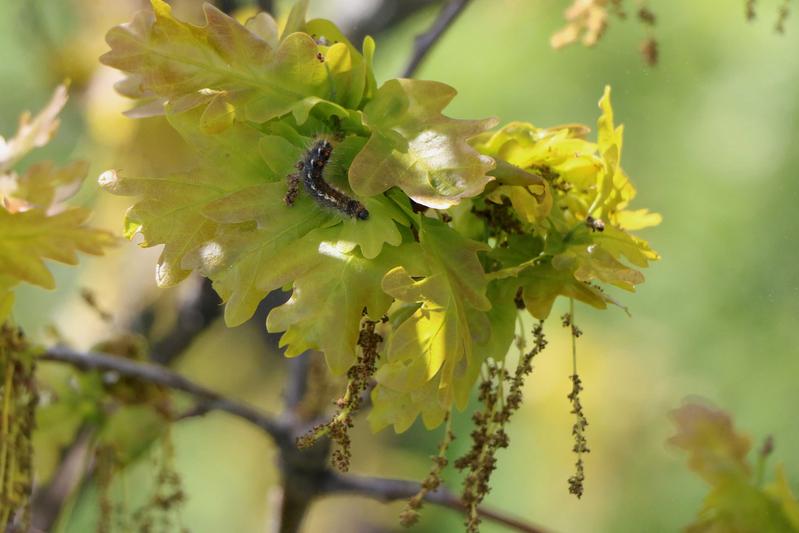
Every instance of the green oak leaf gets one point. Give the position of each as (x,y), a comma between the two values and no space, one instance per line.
(638,219)
(400,409)
(502,319)
(416,148)
(246,261)
(525,146)
(381,228)
(168,214)
(177,209)
(543,283)
(187,65)
(532,203)
(34,224)
(329,297)
(351,75)
(593,263)
(436,344)
(259,246)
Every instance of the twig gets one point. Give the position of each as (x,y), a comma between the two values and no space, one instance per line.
(296,381)
(194,317)
(388,490)
(385,14)
(266,5)
(425,41)
(48,502)
(227,6)
(159,375)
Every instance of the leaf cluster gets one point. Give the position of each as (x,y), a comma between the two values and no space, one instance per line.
(466,224)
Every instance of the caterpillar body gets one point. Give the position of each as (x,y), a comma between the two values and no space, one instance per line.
(311,172)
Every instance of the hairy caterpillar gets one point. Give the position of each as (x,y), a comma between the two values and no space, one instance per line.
(311,169)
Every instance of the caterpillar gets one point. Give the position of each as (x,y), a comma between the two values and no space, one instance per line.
(311,169)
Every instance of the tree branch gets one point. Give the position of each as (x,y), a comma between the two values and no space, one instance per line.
(194,317)
(160,375)
(384,16)
(265,5)
(425,41)
(48,501)
(388,490)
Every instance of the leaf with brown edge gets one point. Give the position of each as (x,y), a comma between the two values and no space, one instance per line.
(416,148)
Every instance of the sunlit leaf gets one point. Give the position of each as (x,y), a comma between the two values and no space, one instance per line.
(178,62)
(542,284)
(328,298)
(416,148)
(437,342)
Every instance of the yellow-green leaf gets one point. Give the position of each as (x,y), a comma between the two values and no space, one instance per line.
(328,298)
(30,237)
(436,343)
(174,60)
(416,148)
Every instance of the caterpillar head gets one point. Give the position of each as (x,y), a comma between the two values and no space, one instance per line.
(357,210)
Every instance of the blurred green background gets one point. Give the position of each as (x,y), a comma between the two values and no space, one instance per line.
(711,138)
